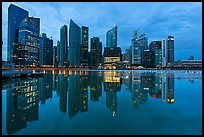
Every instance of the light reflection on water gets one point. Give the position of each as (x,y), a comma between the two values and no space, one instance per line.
(99,92)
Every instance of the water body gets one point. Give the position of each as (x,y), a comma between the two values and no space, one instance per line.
(104,102)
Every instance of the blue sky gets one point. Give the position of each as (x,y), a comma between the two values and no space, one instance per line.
(157,20)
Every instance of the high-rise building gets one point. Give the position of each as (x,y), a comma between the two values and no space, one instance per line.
(111,38)
(128,55)
(58,52)
(156,53)
(27,49)
(46,51)
(63,56)
(84,46)
(167,51)
(96,52)
(74,44)
(55,56)
(15,16)
(139,44)
(111,56)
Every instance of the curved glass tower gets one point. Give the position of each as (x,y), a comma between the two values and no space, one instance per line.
(74,44)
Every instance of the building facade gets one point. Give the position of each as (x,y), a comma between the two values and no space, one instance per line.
(15,16)
(139,44)
(74,44)
(96,52)
(156,51)
(55,56)
(111,38)
(167,51)
(111,56)
(27,51)
(46,51)
(84,46)
(63,55)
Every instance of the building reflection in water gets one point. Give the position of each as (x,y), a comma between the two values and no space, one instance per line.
(72,88)
(22,104)
(112,85)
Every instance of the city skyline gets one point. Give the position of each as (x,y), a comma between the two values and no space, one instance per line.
(183,22)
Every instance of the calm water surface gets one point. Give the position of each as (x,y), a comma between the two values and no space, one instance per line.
(103,102)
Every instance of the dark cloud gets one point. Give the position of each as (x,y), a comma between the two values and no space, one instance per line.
(157,20)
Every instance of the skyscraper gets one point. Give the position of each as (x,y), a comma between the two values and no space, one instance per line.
(74,44)
(156,53)
(167,50)
(111,37)
(15,16)
(46,51)
(55,56)
(111,56)
(27,49)
(63,52)
(139,44)
(84,46)
(58,52)
(96,52)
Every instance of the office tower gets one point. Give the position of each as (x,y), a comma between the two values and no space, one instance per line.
(84,46)
(27,49)
(111,56)
(139,44)
(111,38)
(15,16)
(156,53)
(167,51)
(55,56)
(128,55)
(63,52)
(46,51)
(96,52)
(58,52)
(147,58)
(74,44)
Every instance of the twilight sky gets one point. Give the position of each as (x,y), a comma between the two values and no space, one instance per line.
(157,20)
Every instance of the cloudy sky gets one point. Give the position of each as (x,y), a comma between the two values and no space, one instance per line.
(157,20)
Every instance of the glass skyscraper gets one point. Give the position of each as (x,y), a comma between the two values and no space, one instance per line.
(84,46)
(74,44)
(15,16)
(155,49)
(63,55)
(96,52)
(167,50)
(46,51)
(27,51)
(139,44)
(111,38)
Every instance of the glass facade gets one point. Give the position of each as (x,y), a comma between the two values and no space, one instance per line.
(111,38)
(74,44)
(155,49)
(96,52)
(84,46)
(15,16)
(46,50)
(27,51)
(139,44)
(63,52)
(167,50)
(111,56)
